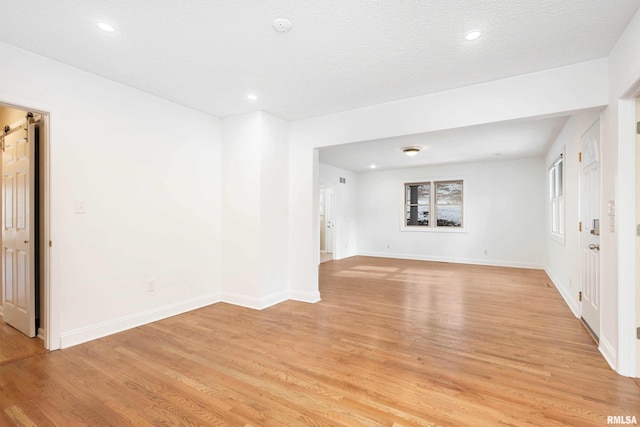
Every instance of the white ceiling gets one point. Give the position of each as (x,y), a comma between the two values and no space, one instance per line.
(505,140)
(340,55)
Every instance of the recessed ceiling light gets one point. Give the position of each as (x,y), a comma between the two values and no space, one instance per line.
(472,35)
(411,151)
(373,166)
(252,97)
(106,27)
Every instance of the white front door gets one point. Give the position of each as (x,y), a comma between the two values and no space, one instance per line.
(590,218)
(17,240)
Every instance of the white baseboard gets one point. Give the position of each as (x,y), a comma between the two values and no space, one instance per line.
(104,329)
(1,311)
(253,302)
(40,334)
(571,302)
(100,330)
(310,297)
(609,353)
(420,257)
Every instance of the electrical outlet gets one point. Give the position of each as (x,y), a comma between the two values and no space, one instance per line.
(81,206)
(151,285)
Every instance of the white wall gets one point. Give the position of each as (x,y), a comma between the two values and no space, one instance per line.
(241,158)
(274,202)
(503,214)
(345,208)
(563,256)
(304,237)
(150,174)
(618,334)
(255,210)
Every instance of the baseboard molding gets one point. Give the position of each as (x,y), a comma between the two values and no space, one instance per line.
(571,302)
(608,351)
(253,302)
(104,329)
(344,256)
(309,297)
(40,334)
(419,257)
(1,311)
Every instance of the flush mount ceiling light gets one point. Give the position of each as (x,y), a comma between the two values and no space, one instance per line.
(472,35)
(252,97)
(106,27)
(411,151)
(373,166)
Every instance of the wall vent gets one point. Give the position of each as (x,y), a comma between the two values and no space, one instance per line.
(343,180)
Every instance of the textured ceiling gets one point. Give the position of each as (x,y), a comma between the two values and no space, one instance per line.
(341,54)
(505,140)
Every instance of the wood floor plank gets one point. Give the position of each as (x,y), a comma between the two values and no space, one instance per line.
(14,345)
(392,343)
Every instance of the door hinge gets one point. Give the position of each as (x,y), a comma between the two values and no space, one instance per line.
(580,296)
(580,226)
(638,128)
(50,243)
(638,333)
(580,157)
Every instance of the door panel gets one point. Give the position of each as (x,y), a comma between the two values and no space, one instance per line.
(590,236)
(18,244)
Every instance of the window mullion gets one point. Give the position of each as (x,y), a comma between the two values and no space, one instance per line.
(432,205)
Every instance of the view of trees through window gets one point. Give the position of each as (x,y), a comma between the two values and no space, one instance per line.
(417,205)
(444,196)
(449,204)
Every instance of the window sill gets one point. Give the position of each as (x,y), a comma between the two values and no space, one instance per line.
(419,229)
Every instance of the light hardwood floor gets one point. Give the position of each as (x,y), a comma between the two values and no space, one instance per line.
(14,345)
(394,343)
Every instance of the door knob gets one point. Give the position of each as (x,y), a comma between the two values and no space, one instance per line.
(26,241)
(594,246)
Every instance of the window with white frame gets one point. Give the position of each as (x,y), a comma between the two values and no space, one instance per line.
(556,196)
(433,204)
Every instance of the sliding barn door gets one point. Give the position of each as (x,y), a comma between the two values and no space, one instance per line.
(17,239)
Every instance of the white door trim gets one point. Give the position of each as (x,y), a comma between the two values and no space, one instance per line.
(625,231)
(51,286)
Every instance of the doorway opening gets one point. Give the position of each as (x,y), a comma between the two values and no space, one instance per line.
(327,224)
(24,238)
